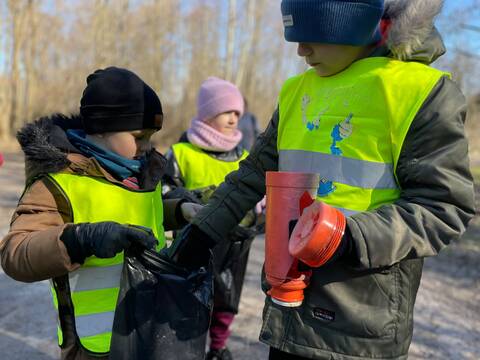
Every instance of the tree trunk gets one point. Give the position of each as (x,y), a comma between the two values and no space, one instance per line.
(232,24)
(247,45)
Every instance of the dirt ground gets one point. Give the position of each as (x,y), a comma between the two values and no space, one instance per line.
(447,313)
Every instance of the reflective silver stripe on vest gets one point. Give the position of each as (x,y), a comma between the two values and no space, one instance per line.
(94,324)
(95,278)
(353,172)
(347,212)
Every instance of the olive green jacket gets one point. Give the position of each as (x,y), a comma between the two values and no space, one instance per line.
(361,307)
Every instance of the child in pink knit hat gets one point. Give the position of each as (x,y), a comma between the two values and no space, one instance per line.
(206,153)
(219,106)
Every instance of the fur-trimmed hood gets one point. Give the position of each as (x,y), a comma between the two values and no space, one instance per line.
(48,150)
(412,27)
(45,144)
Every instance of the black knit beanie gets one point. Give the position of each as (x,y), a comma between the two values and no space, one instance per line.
(118,100)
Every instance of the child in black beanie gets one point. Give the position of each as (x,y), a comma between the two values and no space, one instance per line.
(92,190)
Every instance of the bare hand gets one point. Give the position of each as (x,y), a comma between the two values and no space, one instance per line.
(261,206)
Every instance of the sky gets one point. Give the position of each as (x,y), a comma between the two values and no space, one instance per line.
(472,37)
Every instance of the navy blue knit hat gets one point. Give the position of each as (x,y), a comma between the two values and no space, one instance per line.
(343,22)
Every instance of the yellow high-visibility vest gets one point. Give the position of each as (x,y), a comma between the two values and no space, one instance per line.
(350,128)
(95,285)
(199,169)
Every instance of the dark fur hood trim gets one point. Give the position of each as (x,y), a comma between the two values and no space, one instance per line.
(45,144)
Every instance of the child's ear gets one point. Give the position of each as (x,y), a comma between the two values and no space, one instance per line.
(158,121)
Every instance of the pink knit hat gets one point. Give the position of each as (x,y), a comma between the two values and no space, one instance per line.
(217,96)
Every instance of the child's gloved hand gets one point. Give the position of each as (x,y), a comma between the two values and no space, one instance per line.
(189,210)
(103,239)
(191,248)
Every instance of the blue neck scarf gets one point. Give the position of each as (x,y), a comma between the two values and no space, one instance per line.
(115,164)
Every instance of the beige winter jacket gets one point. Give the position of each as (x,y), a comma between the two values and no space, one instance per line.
(32,250)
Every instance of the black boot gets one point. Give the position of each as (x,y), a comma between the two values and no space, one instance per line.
(222,354)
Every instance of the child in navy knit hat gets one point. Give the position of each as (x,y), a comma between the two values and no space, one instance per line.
(385,133)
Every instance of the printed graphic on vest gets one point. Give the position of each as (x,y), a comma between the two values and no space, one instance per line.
(314,123)
(341,131)
(325,188)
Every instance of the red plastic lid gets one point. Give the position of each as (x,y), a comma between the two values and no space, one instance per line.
(317,235)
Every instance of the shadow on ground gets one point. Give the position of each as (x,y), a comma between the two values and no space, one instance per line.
(447,312)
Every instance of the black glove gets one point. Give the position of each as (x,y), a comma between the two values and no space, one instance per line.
(191,248)
(182,193)
(344,251)
(240,233)
(103,239)
(152,170)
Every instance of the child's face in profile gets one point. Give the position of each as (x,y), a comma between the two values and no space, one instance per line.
(330,59)
(129,144)
(226,123)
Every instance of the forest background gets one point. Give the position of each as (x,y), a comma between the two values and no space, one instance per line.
(48,47)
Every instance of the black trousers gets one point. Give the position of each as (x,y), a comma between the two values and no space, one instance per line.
(280,355)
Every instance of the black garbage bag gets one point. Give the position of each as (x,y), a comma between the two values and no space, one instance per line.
(230,263)
(163,311)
